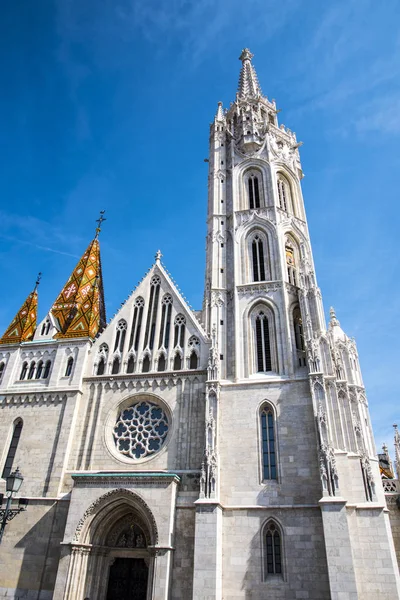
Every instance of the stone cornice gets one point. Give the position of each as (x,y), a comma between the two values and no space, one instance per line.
(151,376)
(141,478)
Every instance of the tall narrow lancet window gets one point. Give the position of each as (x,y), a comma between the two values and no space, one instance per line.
(268,444)
(152,312)
(254,191)
(24,370)
(131,364)
(12,449)
(101,366)
(284,196)
(2,367)
(120,336)
(272,549)
(263,347)
(177,362)
(31,371)
(136,324)
(39,370)
(299,337)
(161,363)
(179,333)
(146,364)
(46,371)
(257,248)
(290,263)
(194,360)
(115,366)
(70,363)
(165,321)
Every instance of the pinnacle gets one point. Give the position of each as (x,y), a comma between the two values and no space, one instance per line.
(219,116)
(249,86)
(333,317)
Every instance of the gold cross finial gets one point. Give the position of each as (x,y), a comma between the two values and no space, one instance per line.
(99,222)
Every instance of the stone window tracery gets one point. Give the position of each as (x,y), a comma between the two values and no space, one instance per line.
(46,371)
(120,336)
(131,364)
(166,312)
(115,366)
(31,371)
(102,358)
(39,370)
(272,549)
(155,285)
(2,368)
(179,336)
(284,193)
(136,323)
(269,463)
(141,430)
(257,248)
(24,371)
(291,261)
(299,337)
(263,346)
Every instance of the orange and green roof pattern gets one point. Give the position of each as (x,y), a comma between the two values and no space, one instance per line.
(79,309)
(22,328)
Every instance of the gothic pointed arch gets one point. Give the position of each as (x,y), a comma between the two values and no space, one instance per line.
(101,516)
(287,193)
(261,347)
(292,257)
(272,544)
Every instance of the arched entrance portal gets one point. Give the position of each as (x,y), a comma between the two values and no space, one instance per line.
(113,550)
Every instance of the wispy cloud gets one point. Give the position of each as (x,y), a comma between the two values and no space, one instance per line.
(38,246)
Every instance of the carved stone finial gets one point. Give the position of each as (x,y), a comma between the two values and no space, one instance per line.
(220,113)
(245,55)
(158,256)
(333,318)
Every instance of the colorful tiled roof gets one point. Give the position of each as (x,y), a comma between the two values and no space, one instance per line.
(79,309)
(23,326)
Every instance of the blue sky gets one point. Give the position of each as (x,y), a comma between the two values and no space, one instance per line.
(106,105)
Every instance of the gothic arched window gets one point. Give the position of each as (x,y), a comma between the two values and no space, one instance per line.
(272,549)
(165,321)
(291,261)
(152,312)
(24,370)
(46,371)
(254,191)
(299,337)
(269,468)
(115,366)
(179,336)
(31,370)
(257,249)
(146,364)
(2,367)
(262,342)
(131,364)
(70,363)
(120,336)
(161,363)
(101,366)
(284,193)
(136,323)
(194,360)
(177,362)
(39,370)
(13,448)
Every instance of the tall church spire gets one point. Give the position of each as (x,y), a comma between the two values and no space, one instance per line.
(249,86)
(79,308)
(22,327)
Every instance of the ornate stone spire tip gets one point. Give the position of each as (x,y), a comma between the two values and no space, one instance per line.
(245,55)
(158,256)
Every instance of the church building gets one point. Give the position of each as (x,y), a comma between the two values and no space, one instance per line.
(219,454)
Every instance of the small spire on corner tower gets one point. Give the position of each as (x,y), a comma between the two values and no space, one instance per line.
(333,319)
(22,327)
(249,86)
(219,116)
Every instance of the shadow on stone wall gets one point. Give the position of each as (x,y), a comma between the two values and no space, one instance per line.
(41,552)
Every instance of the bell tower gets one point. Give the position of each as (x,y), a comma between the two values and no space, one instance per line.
(258,244)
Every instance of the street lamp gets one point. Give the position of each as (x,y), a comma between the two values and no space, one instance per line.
(13,483)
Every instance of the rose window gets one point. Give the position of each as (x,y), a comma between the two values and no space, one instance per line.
(141,430)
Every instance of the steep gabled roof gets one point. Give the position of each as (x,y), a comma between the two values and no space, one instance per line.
(79,308)
(23,326)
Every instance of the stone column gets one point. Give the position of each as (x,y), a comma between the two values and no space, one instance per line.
(339,556)
(207,578)
(161,572)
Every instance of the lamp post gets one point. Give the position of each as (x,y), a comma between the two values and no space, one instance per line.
(13,483)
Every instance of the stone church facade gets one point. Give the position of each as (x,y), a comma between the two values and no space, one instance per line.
(218,454)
